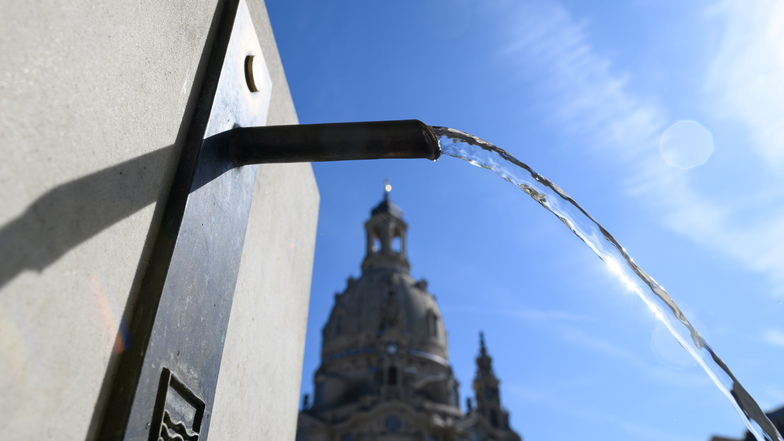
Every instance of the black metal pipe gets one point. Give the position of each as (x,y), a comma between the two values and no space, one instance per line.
(333,142)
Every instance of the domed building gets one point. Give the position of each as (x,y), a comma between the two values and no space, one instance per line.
(385,372)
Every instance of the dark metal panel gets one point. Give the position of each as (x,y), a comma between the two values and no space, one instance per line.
(166,380)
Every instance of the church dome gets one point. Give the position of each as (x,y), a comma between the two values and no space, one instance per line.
(385,372)
(382,307)
(385,304)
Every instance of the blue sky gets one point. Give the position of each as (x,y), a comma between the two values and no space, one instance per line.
(662,118)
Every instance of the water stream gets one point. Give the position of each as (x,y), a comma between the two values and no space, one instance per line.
(485,155)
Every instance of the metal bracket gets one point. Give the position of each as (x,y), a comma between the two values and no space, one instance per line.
(178,325)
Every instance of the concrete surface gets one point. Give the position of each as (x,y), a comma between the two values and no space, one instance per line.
(92,101)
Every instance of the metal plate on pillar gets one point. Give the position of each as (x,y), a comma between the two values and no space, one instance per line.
(166,380)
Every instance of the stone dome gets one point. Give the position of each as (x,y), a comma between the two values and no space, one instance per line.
(385,304)
(385,372)
(382,307)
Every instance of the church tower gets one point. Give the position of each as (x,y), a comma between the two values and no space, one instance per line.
(487,393)
(385,372)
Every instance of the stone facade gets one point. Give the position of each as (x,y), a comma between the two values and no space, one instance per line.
(385,372)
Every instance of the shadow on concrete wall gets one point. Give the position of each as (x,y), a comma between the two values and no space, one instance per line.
(72,213)
(173,155)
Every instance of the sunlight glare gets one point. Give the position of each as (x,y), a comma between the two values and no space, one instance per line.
(617,269)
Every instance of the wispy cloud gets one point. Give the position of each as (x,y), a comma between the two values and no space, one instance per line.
(638,365)
(556,398)
(774,337)
(530,316)
(538,315)
(590,99)
(650,432)
(745,77)
(586,97)
(573,330)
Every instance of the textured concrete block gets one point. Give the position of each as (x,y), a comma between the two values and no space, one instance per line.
(92,101)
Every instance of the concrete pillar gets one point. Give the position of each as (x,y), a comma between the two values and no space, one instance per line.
(93,96)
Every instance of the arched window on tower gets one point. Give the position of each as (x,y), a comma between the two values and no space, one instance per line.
(392,376)
(397,241)
(319,393)
(432,324)
(494,418)
(339,325)
(397,244)
(376,244)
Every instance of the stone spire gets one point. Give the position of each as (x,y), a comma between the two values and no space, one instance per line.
(484,362)
(488,399)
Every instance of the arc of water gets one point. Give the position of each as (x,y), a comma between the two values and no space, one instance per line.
(486,155)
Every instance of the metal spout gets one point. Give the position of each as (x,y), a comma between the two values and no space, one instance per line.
(333,142)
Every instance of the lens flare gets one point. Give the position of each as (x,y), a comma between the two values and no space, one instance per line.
(686,144)
(115,328)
